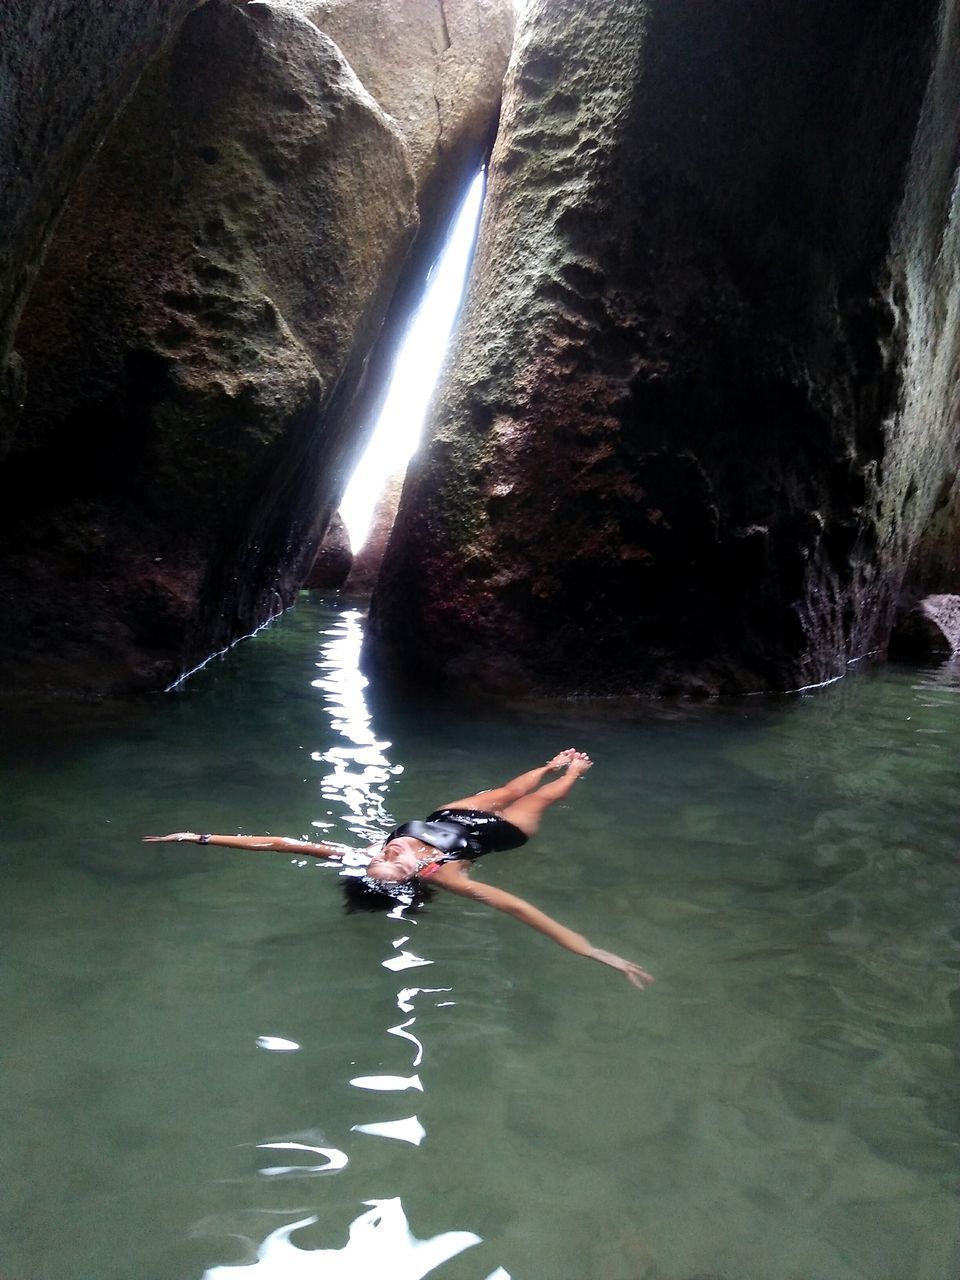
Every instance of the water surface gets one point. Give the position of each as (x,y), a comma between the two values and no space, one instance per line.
(209,1070)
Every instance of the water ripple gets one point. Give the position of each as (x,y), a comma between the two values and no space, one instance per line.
(380,1244)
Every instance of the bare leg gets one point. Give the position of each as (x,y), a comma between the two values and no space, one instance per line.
(497,798)
(526,812)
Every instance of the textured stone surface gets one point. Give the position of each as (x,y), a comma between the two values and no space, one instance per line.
(65,69)
(200,352)
(657,464)
(436,67)
(219,277)
(369,558)
(920,482)
(333,560)
(931,628)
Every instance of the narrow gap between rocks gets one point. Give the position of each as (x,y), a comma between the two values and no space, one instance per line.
(413,377)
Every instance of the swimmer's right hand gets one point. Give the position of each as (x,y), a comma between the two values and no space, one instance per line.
(174,838)
(632,972)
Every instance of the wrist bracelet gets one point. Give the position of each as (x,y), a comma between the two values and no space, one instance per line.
(204,839)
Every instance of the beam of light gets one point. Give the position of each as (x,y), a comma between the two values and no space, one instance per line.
(415,372)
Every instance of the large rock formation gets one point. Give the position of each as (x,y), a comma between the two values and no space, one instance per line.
(437,67)
(930,629)
(920,483)
(334,559)
(195,343)
(437,70)
(675,449)
(65,69)
(367,560)
(233,246)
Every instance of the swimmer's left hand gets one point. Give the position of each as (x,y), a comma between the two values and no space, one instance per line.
(632,972)
(174,837)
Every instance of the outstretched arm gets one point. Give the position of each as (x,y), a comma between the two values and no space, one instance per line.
(457,881)
(271,844)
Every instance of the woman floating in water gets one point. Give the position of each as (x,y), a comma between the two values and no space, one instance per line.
(440,851)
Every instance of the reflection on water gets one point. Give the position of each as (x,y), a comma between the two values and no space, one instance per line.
(405,960)
(387,1084)
(276,1044)
(409,1130)
(360,773)
(380,1244)
(183,1026)
(333,1160)
(402,1030)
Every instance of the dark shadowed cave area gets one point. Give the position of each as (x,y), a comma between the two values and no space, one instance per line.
(698,430)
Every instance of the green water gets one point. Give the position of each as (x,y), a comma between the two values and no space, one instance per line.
(196,1044)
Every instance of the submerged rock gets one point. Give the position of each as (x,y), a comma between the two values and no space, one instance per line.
(658,463)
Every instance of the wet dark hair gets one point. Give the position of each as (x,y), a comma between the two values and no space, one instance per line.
(363,893)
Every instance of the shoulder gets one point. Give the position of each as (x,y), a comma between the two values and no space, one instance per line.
(455,876)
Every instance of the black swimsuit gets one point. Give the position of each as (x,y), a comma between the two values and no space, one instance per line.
(460,834)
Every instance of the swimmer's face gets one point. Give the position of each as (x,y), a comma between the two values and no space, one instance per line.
(397,860)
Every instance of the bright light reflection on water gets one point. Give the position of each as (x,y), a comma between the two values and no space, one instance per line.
(380,1244)
(360,773)
(409,1130)
(332,1160)
(276,1044)
(183,1025)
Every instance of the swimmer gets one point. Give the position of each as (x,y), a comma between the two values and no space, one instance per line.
(441,850)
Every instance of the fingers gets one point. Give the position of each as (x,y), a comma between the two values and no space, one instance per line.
(639,977)
(632,972)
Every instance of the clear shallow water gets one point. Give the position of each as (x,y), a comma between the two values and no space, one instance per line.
(199,1050)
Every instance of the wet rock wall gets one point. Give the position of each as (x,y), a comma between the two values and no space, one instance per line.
(65,69)
(919,515)
(663,460)
(198,338)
